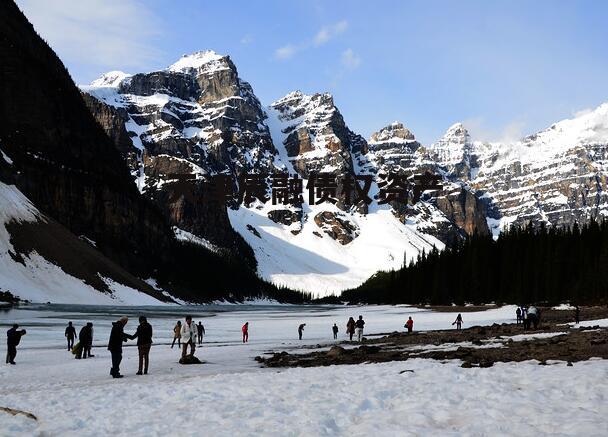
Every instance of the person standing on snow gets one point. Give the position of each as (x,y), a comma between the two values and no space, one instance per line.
(360,324)
(518,315)
(577,315)
(409,324)
(458,321)
(144,343)
(350,328)
(86,341)
(335,331)
(70,334)
(200,329)
(177,334)
(188,333)
(245,330)
(13,337)
(301,330)
(117,337)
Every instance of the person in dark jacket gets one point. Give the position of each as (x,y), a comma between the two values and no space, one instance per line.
(301,330)
(334,329)
(577,315)
(350,328)
(117,337)
(360,324)
(70,334)
(200,329)
(86,341)
(458,321)
(144,343)
(13,337)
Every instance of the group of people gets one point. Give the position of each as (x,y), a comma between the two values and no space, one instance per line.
(528,316)
(189,334)
(193,335)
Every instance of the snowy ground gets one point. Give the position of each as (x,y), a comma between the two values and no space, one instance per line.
(231,395)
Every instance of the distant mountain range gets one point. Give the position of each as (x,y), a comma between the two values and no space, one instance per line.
(120,192)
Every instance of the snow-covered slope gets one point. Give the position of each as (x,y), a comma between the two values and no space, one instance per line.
(29,276)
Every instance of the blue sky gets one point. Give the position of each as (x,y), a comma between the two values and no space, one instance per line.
(504,68)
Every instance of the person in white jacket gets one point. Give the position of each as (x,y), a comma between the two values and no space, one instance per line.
(189,333)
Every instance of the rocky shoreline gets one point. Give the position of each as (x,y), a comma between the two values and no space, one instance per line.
(477,346)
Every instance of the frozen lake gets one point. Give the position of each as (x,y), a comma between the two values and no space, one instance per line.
(231,395)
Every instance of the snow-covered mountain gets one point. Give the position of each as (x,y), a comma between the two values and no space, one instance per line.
(198,117)
(557,176)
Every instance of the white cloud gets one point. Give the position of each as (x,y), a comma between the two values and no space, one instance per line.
(285,52)
(582,112)
(103,33)
(508,133)
(328,32)
(322,36)
(350,59)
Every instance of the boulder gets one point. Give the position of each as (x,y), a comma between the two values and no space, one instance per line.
(189,359)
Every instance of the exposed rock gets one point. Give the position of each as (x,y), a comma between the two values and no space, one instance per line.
(466,211)
(254,231)
(190,359)
(337,227)
(336,351)
(285,216)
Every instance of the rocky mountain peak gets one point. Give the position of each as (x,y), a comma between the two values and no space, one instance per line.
(110,79)
(456,134)
(394,132)
(314,133)
(204,60)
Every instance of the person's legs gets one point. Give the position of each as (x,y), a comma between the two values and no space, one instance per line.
(146,357)
(173,344)
(192,347)
(116,359)
(184,349)
(140,350)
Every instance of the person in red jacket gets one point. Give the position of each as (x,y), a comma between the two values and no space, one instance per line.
(409,325)
(245,330)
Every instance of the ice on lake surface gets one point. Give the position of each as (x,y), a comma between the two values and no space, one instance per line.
(232,395)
